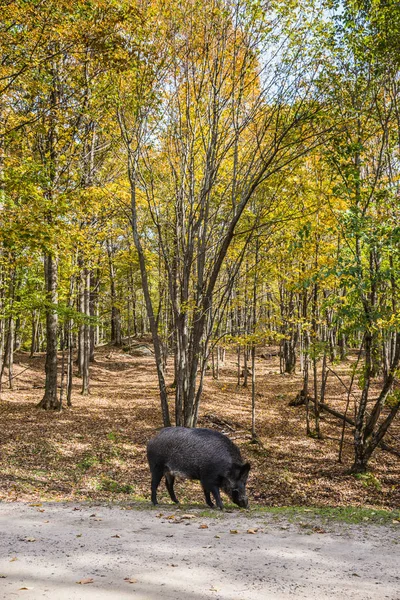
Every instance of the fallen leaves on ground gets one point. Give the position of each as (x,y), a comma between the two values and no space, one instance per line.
(96,449)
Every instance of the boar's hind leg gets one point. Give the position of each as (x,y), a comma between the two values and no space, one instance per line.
(208,498)
(156,475)
(169,482)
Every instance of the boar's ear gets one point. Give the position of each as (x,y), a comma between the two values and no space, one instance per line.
(240,472)
(244,471)
(235,471)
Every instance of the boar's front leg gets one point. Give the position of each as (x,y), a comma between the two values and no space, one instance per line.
(169,482)
(214,490)
(210,485)
(217,496)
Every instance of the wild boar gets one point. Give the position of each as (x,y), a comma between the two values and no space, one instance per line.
(201,454)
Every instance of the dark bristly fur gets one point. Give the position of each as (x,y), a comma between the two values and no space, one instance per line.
(202,454)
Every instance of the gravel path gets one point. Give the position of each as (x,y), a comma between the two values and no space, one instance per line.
(172,554)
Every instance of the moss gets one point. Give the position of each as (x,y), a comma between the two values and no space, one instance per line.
(87,462)
(110,485)
(345,514)
(369,480)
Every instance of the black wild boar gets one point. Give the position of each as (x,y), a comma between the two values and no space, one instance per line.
(202,454)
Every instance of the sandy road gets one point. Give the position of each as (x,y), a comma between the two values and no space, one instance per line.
(49,548)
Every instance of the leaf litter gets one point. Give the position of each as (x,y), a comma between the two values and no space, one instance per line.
(96,450)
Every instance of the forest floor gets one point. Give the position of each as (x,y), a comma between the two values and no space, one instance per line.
(96,450)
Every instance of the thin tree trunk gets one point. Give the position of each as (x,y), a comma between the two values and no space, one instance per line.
(315,338)
(70,364)
(63,344)
(238,366)
(367,438)
(253,392)
(6,344)
(324,376)
(81,332)
(348,402)
(149,304)
(2,349)
(94,299)
(35,328)
(50,398)
(86,334)
(253,346)
(305,380)
(10,351)
(245,367)
(116,336)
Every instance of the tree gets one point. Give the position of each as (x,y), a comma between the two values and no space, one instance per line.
(363,155)
(230,121)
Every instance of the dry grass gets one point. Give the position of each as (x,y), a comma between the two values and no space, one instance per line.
(96,449)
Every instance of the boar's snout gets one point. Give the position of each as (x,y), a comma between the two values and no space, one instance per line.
(243,502)
(235,485)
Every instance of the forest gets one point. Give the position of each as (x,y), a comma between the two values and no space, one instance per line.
(214,186)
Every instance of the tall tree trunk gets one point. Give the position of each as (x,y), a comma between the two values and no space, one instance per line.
(62,347)
(34,334)
(116,336)
(2,349)
(50,400)
(93,310)
(81,309)
(86,334)
(238,365)
(70,363)
(342,346)
(149,304)
(10,351)
(8,338)
(6,352)
(315,340)
(253,346)
(368,434)
(245,368)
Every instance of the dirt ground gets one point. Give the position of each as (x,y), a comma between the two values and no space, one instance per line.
(74,551)
(96,449)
